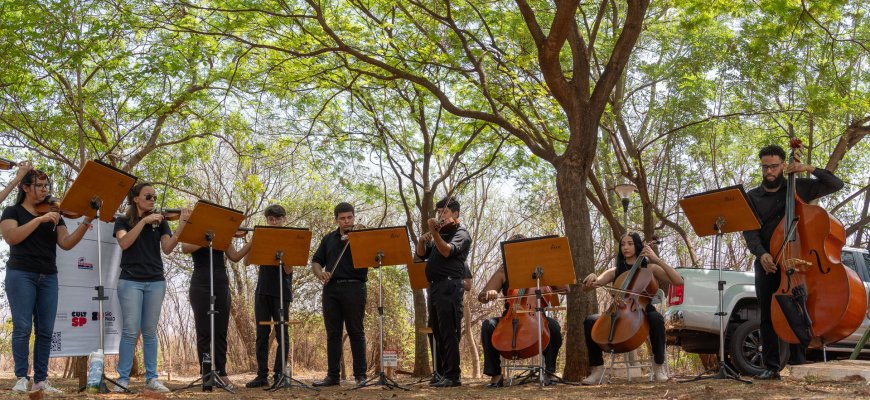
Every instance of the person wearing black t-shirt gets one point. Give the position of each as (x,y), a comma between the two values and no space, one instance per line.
(498,283)
(631,246)
(267,308)
(445,248)
(199,294)
(31,275)
(142,235)
(768,199)
(344,297)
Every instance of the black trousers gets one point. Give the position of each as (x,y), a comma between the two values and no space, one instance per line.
(765,286)
(492,358)
(266,309)
(445,316)
(344,304)
(199,301)
(656,338)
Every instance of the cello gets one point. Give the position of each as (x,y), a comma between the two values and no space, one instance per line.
(624,326)
(516,334)
(819,300)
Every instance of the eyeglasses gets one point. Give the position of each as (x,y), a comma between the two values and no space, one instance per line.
(39,185)
(765,167)
(150,197)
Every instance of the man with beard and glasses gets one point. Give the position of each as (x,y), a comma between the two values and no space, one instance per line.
(768,199)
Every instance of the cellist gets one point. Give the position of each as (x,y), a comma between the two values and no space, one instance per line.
(768,199)
(498,283)
(631,247)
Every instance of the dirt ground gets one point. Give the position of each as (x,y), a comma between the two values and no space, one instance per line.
(474,389)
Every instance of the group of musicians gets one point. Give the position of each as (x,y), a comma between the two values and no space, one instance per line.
(32,287)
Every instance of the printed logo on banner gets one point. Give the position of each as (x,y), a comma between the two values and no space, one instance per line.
(79,318)
(56,343)
(84,264)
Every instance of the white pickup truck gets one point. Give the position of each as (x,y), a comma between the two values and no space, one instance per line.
(691,323)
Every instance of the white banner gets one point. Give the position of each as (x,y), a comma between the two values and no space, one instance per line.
(76,326)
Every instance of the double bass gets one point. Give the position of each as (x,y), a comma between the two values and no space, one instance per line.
(818,300)
(624,326)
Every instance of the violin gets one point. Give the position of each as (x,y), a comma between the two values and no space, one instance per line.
(818,300)
(51,204)
(7,164)
(242,232)
(624,326)
(447,224)
(169,214)
(516,334)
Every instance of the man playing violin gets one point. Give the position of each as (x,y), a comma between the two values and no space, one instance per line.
(498,282)
(344,297)
(267,306)
(631,247)
(769,199)
(445,248)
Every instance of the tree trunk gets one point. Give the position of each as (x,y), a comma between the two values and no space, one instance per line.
(571,187)
(469,337)
(422,367)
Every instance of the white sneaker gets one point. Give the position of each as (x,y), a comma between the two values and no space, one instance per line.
(21,385)
(659,373)
(119,388)
(595,376)
(46,388)
(155,386)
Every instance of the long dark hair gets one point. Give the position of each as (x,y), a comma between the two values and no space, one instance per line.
(132,213)
(30,178)
(638,246)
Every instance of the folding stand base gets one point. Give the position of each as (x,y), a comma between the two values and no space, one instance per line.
(725,372)
(381,379)
(212,380)
(434,377)
(533,376)
(104,389)
(288,382)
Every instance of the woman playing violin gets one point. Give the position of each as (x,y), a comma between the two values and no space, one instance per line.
(142,234)
(631,247)
(31,274)
(498,283)
(199,294)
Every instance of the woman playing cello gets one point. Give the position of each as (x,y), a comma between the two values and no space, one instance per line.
(631,247)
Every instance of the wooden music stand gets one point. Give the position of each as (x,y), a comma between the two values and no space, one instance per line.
(417,275)
(99,186)
(375,248)
(207,217)
(211,226)
(536,262)
(717,212)
(287,246)
(98,183)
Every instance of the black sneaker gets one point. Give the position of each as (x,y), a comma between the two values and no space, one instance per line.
(446,382)
(328,381)
(259,381)
(768,375)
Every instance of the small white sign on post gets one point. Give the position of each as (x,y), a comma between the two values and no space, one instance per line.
(391,359)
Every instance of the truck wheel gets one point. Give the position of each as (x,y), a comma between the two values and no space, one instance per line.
(744,348)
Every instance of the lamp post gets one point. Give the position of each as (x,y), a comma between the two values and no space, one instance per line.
(624,190)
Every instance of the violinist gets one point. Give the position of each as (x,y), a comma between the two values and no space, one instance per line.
(199,294)
(31,275)
(23,168)
(445,248)
(142,235)
(343,299)
(498,283)
(631,247)
(267,308)
(769,199)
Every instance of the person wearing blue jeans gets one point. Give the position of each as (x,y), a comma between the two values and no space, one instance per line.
(142,234)
(31,275)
